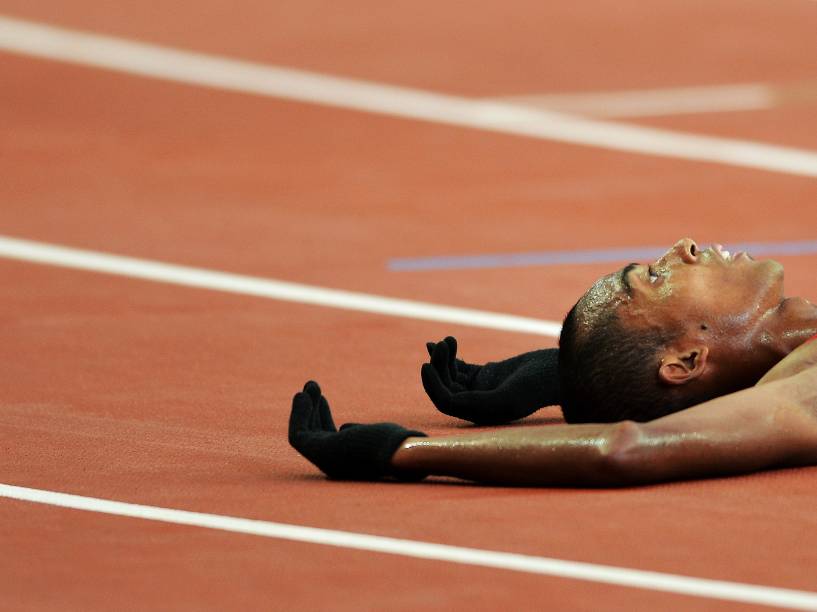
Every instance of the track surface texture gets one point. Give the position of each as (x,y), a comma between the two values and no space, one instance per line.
(178,397)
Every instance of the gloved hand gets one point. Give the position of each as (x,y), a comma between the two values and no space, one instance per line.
(494,393)
(356,452)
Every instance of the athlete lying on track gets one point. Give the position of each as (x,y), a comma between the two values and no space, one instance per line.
(696,328)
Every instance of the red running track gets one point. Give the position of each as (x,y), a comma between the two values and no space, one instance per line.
(167,396)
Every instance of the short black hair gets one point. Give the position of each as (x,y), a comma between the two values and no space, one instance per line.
(608,372)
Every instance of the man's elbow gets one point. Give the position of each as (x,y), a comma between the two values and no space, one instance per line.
(622,454)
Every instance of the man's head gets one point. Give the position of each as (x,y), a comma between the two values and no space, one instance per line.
(651,339)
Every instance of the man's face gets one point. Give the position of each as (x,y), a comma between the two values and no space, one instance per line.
(690,289)
(723,319)
(727,307)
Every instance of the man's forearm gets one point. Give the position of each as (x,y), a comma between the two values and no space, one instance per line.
(757,428)
(574,455)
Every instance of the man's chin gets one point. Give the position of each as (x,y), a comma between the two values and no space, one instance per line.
(770,273)
(773,266)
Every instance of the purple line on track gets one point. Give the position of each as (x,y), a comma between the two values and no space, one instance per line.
(551,258)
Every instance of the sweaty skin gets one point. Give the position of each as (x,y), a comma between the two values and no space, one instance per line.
(767,426)
(733,320)
(735,325)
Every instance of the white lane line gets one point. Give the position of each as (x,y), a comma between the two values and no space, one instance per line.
(145,269)
(575,570)
(657,102)
(88,49)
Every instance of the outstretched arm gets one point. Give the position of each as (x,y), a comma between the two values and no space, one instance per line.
(494,393)
(773,425)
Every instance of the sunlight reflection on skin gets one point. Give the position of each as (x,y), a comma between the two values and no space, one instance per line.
(606,293)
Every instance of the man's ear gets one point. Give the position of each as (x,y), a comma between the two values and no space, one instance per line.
(679,367)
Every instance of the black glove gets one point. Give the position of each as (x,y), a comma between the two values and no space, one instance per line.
(356,452)
(494,393)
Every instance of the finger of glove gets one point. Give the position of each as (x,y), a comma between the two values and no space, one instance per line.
(327,423)
(314,391)
(439,360)
(461,371)
(348,426)
(451,341)
(430,348)
(300,416)
(434,387)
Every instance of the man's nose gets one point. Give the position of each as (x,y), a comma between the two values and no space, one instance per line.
(685,250)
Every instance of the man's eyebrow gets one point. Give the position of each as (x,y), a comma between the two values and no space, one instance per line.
(625,282)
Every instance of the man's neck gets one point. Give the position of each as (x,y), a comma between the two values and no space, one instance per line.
(796,323)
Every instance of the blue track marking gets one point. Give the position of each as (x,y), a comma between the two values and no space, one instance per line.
(551,258)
